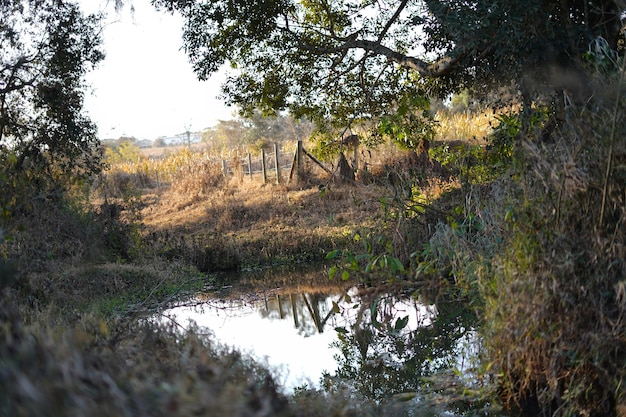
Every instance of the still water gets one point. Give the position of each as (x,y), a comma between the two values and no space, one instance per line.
(310,331)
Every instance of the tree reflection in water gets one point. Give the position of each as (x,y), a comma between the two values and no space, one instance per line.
(383,344)
(383,352)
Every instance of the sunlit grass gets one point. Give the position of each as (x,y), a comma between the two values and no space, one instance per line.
(467,126)
(243,221)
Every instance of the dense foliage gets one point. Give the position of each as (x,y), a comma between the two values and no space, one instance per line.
(341,60)
(45,137)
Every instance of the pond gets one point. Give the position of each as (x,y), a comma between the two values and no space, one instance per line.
(383,343)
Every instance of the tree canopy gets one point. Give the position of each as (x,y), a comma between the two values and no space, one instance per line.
(341,59)
(47,48)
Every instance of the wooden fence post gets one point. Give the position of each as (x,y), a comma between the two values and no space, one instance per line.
(296,165)
(280,307)
(299,164)
(277,163)
(249,165)
(263,166)
(294,310)
(224,168)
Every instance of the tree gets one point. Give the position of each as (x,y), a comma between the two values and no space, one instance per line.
(256,131)
(45,138)
(159,143)
(262,129)
(226,134)
(124,149)
(338,60)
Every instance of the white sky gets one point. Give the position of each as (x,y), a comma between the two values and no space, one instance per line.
(145,87)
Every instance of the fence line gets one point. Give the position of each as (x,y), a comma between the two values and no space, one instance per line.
(270,165)
(276,160)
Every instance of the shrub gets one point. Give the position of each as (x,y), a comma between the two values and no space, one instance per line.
(555,305)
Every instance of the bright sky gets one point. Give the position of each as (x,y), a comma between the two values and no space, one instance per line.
(145,87)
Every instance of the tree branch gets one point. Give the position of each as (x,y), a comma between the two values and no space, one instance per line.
(15,82)
(427,69)
(392,20)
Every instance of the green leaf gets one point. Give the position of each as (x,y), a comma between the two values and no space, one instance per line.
(341,330)
(345,275)
(335,308)
(332,272)
(401,323)
(332,254)
(405,396)
(396,265)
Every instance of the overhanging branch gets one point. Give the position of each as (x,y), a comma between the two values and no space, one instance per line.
(393,19)
(427,69)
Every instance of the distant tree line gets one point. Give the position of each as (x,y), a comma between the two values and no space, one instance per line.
(256,131)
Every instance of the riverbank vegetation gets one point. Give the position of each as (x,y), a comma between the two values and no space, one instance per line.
(511,209)
(504,226)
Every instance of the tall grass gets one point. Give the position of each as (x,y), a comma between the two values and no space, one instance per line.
(470,126)
(555,312)
(165,168)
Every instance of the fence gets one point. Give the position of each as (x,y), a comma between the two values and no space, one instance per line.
(273,163)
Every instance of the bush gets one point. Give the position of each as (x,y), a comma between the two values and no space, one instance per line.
(555,306)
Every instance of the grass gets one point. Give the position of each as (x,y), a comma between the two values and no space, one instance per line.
(529,233)
(471,127)
(71,341)
(564,268)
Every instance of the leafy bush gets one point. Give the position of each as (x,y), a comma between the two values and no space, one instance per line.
(555,305)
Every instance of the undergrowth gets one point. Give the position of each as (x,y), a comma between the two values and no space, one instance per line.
(560,344)
(524,227)
(139,368)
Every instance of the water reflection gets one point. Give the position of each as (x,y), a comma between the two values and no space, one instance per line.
(305,309)
(382,354)
(378,343)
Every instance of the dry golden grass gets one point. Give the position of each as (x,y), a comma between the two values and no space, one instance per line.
(219,222)
(189,210)
(256,223)
(471,127)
